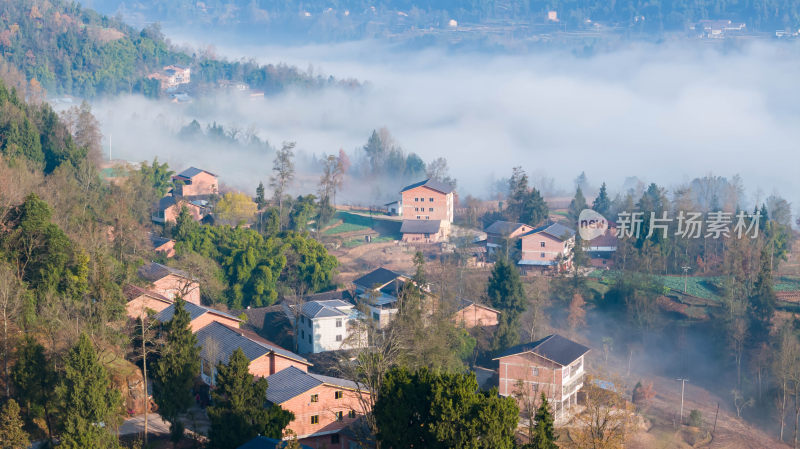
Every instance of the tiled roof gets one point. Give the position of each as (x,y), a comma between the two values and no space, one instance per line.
(464,303)
(132,292)
(166,202)
(343,295)
(553,347)
(291,382)
(393,288)
(503,228)
(420,226)
(227,339)
(260,442)
(157,240)
(380,276)
(555,230)
(431,184)
(318,309)
(191,172)
(155,271)
(194,310)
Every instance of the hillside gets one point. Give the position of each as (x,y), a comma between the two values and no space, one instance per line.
(68,49)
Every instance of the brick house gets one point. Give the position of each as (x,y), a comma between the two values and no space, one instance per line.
(553,365)
(169,207)
(601,249)
(172,76)
(428,200)
(323,406)
(218,341)
(326,325)
(199,316)
(548,246)
(170,282)
(424,231)
(163,245)
(194,182)
(140,300)
(471,314)
(500,233)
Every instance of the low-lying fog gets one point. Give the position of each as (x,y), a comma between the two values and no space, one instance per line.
(665,113)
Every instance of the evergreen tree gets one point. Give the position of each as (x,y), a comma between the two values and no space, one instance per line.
(12,436)
(261,199)
(34,380)
(239,412)
(602,203)
(544,436)
(506,294)
(89,401)
(176,370)
(763,300)
(576,206)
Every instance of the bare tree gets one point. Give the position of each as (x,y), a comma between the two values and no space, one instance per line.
(605,422)
(10,307)
(782,368)
(283,174)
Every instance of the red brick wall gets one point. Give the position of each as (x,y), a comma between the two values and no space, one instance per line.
(135,306)
(279,363)
(442,205)
(532,248)
(517,367)
(171,213)
(325,409)
(172,285)
(473,315)
(497,239)
(202,184)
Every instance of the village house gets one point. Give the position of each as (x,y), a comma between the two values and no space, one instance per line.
(500,234)
(378,290)
(323,406)
(199,316)
(553,365)
(218,340)
(471,314)
(326,325)
(162,245)
(194,182)
(168,209)
(170,282)
(424,231)
(140,301)
(548,246)
(172,76)
(394,208)
(601,248)
(428,200)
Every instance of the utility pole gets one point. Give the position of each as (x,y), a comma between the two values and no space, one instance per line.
(685,277)
(683,388)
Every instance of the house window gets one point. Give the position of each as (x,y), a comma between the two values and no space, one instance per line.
(427,236)
(416,209)
(338,338)
(314,398)
(335,438)
(309,339)
(338,395)
(339,322)
(376,316)
(541,244)
(339,416)
(302,333)
(535,372)
(302,318)
(430,209)
(416,199)
(417,217)
(315,419)
(534,387)
(431,200)
(542,255)
(427,218)
(351,414)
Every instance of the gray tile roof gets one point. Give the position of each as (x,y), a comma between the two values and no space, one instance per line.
(420,226)
(464,303)
(431,184)
(194,310)
(227,339)
(380,277)
(192,172)
(503,228)
(132,292)
(166,202)
(155,271)
(318,309)
(157,240)
(553,347)
(555,230)
(343,295)
(291,382)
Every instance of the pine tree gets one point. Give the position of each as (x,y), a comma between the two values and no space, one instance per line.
(176,370)
(506,293)
(34,381)
(239,413)
(544,436)
(602,203)
(90,404)
(763,299)
(12,436)
(261,200)
(576,206)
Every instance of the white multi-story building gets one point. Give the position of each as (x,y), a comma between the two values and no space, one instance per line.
(325,325)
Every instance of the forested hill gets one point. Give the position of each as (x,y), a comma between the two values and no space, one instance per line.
(365,18)
(64,48)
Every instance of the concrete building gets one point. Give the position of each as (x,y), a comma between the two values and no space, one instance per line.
(326,325)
